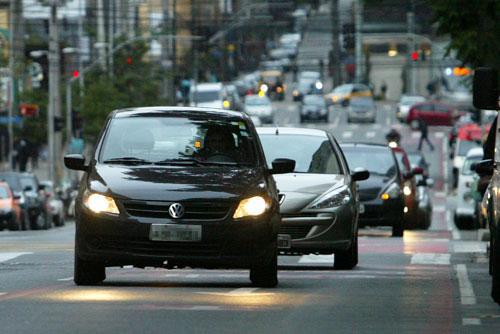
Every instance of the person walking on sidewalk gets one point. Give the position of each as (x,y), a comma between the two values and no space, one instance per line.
(424,134)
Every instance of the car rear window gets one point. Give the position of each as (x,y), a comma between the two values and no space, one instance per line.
(377,161)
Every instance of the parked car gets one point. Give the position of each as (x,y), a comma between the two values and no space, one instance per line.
(409,187)
(313,108)
(342,94)
(432,113)
(462,147)
(381,196)
(32,202)
(55,205)
(361,110)
(174,187)
(10,210)
(208,95)
(465,211)
(318,201)
(259,106)
(404,105)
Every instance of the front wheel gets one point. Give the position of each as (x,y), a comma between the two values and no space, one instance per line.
(398,228)
(264,273)
(347,259)
(88,272)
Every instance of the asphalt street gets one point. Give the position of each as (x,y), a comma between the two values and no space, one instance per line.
(433,281)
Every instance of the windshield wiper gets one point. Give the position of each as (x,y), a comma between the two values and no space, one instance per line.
(127,160)
(193,161)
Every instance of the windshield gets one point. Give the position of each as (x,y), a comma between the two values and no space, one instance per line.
(158,139)
(255,100)
(4,194)
(411,100)
(28,182)
(12,180)
(205,96)
(376,161)
(314,100)
(312,154)
(464,146)
(362,103)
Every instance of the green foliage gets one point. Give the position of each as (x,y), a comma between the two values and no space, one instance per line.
(474,28)
(135,82)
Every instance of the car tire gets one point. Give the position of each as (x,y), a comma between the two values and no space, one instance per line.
(13,224)
(347,259)
(398,228)
(264,273)
(88,272)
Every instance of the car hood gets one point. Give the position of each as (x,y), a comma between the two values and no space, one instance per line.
(175,183)
(301,189)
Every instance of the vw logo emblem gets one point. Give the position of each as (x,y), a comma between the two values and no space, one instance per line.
(176,210)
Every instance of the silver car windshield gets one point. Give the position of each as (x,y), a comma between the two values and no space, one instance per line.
(312,154)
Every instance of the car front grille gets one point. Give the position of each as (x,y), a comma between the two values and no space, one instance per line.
(295,232)
(193,210)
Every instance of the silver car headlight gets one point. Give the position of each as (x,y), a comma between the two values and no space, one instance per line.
(333,199)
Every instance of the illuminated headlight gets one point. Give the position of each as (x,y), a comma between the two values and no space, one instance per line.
(318,85)
(407,191)
(226,104)
(392,192)
(333,199)
(264,88)
(253,206)
(98,203)
(335,98)
(295,93)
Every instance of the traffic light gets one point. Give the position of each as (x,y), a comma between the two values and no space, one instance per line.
(414,56)
(29,110)
(129,60)
(76,74)
(58,123)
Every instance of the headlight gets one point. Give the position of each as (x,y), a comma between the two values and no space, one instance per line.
(318,85)
(407,190)
(253,206)
(333,199)
(226,104)
(392,192)
(264,88)
(100,203)
(295,93)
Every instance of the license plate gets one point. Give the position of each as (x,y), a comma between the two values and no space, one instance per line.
(173,232)
(361,208)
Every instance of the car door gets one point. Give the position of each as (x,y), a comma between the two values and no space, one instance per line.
(426,113)
(442,114)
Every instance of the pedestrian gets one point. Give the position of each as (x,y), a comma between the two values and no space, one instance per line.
(424,134)
(383,90)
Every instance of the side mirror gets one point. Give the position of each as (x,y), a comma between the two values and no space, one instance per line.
(360,174)
(417,170)
(41,187)
(16,196)
(283,166)
(75,162)
(484,167)
(485,88)
(429,182)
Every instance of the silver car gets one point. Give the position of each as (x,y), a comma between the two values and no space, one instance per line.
(319,201)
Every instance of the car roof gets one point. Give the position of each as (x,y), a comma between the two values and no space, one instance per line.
(475,152)
(193,111)
(290,131)
(208,86)
(364,145)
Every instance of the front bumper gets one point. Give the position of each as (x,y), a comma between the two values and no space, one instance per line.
(314,115)
(381,213)
(119,241)
(361,117)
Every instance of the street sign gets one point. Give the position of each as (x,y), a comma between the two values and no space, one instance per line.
(14,119)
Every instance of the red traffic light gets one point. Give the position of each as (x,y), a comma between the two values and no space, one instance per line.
(414,55)
(76,74)
(29,110)
(129,60)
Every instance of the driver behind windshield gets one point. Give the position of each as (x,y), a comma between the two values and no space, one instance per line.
(218,145)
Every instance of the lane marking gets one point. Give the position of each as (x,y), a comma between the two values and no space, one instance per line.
(311,258)
(439,134)
(415,135)
(430,258)
(12,255)
(445,165)
(439,208)
(370,134)
(355,126)
(455,234)
(242,291)
(469,247)
(65,279)
(336,121)
(205,308)
(440,194)
(377,126)
(471,321)
(388,121)
(467,296)
(347,134)
(3,293)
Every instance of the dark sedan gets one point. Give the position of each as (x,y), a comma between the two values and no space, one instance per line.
(381,195)
(176,187)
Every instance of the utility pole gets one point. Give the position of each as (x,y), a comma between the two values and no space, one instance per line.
(101,34)
(111,36)
(164,48)
(335,59)
(131,6)
(81,78)
(174,48)
(358,21)
(54,138)
(411,77)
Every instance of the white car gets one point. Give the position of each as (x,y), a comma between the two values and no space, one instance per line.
(290,38)
(404,105)
(208,95)
(462,147)
(466,205)
(259,106)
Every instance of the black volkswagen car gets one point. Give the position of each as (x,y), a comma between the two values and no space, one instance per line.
(173,187)
(381,195)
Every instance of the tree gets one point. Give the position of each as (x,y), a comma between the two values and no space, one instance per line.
(474,29)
